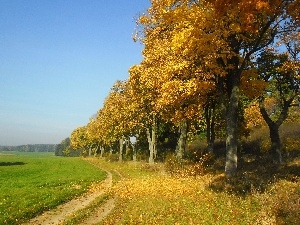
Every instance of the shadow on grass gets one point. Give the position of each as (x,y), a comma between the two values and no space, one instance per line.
(255,175)
(12,163)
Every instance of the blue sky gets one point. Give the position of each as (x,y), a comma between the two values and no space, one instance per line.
(58,61)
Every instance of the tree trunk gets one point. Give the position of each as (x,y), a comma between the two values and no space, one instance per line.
(134,147)
(274,130)
(154,138)
(275,144)
(210,127)
(101,151)
(121,149)
(90,150)
(152,141)
(127,149)
(232,129)
(134,153)
(151,150)
(95,151)
(110,152)
(182,140)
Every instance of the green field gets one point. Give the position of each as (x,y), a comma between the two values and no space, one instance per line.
(34,182)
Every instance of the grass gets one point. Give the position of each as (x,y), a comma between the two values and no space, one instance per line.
(34,182)
(147,195)
(260,194)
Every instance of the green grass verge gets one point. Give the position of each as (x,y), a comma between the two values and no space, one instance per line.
(34,182)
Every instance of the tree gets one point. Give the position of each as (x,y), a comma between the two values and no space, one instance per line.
(65,149)
(80,139)
(144,92)
(59,149)
(176,92)
(94,133)
(282,74)
(116,121)
(218,41)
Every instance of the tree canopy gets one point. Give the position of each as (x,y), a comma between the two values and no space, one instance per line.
(201,57)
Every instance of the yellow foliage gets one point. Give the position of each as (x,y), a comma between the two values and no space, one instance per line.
(292,144)
(253,117)
(190,49)
(250,85)
(147,186)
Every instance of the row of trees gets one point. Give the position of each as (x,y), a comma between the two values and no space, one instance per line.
(204,63)
(30,148)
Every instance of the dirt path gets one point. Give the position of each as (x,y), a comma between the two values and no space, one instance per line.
(103,210)
(61,213)
(100,213)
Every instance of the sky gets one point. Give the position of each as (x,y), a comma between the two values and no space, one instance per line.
(58,61)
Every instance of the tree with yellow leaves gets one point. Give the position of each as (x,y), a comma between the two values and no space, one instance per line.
(111,117)
(217,41)
(281,71)
(80,140)
(117,119)
(144,85)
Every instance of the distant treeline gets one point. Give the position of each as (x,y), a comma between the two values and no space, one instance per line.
(30,148)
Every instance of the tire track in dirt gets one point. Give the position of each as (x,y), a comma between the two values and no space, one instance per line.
(62,212)
(100,213)
(103,210)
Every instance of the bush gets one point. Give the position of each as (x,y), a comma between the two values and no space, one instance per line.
(141,155)
(128,155)
(195,149)
(259,140)
(112,157)
(151,168)
(291,138)
(285,205)
(184,168)
(173,166)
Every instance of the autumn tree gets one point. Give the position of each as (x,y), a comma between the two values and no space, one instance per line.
(117,118)
(94,133)
(102,129)
(179,92)
(281,71)
(111,118)
(218,41)
(80,139)
(144,92)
